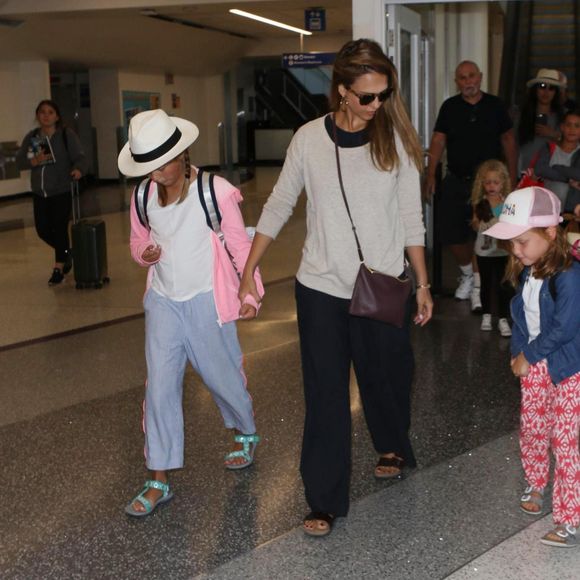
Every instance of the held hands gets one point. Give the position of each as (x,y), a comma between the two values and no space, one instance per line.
(248,287)
(424,307)
(151,254)
(520,366)
(247,312)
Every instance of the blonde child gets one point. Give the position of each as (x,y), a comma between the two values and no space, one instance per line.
(191,302)
(490,187)
(545,349)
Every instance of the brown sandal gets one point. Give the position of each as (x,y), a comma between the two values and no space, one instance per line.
(395,462)
(318,516)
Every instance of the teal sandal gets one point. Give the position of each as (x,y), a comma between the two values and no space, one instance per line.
(149,507)
(250,442)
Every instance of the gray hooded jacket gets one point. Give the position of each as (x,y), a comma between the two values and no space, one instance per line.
(53,178)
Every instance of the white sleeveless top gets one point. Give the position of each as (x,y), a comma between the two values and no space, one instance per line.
(185,268)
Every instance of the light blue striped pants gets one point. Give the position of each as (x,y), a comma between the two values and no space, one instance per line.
(176,332)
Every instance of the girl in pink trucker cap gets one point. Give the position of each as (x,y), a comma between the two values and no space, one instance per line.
(545,354)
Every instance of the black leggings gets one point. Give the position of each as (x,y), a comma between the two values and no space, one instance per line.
(51,217)
(495,294)
(330,339)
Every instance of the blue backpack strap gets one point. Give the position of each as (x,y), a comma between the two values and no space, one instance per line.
(208,200)
(141,198)
(552,286)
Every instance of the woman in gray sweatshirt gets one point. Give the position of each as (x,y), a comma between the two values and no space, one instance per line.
(380,158)
(54,156)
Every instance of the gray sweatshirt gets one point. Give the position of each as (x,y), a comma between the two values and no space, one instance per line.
(54,178)
(385,206)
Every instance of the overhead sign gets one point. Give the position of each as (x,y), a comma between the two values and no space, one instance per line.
(315,19)
(307,59)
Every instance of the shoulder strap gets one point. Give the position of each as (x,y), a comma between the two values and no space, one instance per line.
(65,139)
(552,286)
(141,197)
(358,248)
(208,200)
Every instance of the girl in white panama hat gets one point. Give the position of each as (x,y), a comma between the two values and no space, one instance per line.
(191,301)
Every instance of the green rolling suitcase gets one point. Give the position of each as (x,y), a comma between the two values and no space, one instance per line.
(89,247)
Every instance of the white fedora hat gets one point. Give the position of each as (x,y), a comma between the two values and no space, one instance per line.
(547,76)
(154,139)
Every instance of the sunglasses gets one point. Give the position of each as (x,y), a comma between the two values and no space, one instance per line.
(547,86)
(368,98)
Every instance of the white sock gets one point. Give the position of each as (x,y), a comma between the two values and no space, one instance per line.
(467,270)
(476,280)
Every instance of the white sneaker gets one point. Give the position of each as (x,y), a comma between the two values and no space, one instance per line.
(504,327)
(475,298)
(463,291)
(486,322)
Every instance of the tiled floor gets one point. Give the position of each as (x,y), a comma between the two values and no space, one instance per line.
(71,449)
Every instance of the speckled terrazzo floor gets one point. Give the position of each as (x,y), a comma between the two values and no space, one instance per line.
(82,462)
(71,447)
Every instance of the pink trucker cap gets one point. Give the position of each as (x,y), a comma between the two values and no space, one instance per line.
(524,209)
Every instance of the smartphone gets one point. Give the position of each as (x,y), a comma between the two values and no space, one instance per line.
(542,119)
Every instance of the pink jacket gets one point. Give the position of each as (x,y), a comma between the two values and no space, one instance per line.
(225,278)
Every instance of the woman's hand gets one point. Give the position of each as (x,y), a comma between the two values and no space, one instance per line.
(577,208)
(247,312)
(248,286)
(76,174)
(545,131)
(424,307)
(151,254)
(520,366)
(39,159)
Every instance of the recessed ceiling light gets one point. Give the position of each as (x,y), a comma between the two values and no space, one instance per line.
(268,21)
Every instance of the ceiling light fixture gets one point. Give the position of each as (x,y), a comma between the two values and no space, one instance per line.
(268,21)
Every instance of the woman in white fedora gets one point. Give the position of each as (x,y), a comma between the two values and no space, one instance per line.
(191,302)
(540,116)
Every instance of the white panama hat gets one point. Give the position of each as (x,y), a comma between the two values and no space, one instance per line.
(548,76)
(154,139)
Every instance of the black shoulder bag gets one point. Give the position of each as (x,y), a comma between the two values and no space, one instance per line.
(375,295)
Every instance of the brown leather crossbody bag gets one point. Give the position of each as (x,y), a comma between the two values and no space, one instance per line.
(375,295)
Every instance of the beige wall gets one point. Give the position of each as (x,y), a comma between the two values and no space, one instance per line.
(22,86)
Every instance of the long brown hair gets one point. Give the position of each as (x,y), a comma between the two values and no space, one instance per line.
(161,191)
(557,259)
(355,59)
(479,202)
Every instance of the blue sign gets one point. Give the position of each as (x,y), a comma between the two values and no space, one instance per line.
(307,59)
(315,19)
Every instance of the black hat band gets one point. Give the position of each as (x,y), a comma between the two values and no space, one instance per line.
(159,151)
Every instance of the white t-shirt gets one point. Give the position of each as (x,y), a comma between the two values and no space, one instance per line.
(185,268)
(531,296)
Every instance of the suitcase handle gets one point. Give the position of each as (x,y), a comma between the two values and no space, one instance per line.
(76,204)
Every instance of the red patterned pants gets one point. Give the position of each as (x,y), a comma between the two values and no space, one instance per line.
(550,417)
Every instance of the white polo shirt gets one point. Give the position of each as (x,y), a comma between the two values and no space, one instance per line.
(185,268)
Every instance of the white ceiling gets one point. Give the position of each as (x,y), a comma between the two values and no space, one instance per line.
(127,39)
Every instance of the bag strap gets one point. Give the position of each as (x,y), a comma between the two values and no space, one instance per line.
(552,286)
(141,198)
(360,254)
(208,200)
